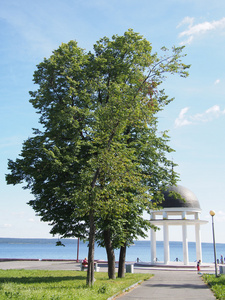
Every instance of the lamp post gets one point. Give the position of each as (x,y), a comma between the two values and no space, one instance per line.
(78,246)
(212,214)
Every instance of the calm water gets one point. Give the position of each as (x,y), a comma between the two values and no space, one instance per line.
(47,249)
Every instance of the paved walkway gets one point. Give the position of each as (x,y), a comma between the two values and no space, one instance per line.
(168,283)
(171,285)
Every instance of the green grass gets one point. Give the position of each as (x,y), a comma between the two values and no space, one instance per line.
(217,285)
(61,285)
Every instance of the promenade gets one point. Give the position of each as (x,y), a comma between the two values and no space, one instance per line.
(175,282)
(171,285)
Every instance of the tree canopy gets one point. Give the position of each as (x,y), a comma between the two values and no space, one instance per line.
(98,160)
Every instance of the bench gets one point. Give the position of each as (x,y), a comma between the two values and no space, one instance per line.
(85,267)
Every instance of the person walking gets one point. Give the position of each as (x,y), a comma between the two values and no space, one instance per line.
(198,265)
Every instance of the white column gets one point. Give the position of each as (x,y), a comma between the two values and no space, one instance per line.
(185,241)
(185,245)
(166,244)
(166,239)
(153,246)
(198,242)
(153,241)
(198,238)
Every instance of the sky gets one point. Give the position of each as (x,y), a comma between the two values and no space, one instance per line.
(30,30)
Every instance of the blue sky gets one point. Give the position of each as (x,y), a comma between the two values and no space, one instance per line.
(30,30)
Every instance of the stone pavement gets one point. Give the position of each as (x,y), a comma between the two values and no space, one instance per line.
(40,265)
(171,285)
(167,283)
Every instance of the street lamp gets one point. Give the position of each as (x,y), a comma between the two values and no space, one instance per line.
(212,214)
(78,246)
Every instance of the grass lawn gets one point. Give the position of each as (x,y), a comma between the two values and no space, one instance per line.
(61,285)
(217,285)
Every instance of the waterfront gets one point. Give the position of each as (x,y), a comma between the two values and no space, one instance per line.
(47,249)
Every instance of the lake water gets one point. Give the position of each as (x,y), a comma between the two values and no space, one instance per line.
(47,249)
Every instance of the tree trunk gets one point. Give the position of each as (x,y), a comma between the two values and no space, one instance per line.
(91,249)
(110,255)
(121,270)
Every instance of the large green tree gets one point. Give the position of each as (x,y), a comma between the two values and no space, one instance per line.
(97,157)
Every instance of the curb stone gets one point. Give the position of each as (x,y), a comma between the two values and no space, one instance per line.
(125,290)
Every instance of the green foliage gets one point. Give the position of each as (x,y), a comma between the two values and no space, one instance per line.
(49,285)
(217,285)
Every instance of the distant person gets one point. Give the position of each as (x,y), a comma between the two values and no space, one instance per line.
(198,265)
(221,259)
(85,262)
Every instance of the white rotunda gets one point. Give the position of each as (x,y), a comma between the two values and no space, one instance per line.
(175,211)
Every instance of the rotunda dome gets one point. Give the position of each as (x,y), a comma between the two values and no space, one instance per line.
(171,201)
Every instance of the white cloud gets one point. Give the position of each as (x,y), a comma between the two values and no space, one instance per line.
(182,120)
(186,20)
(198,29)
(217,81)
(208,115)
(188,41)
